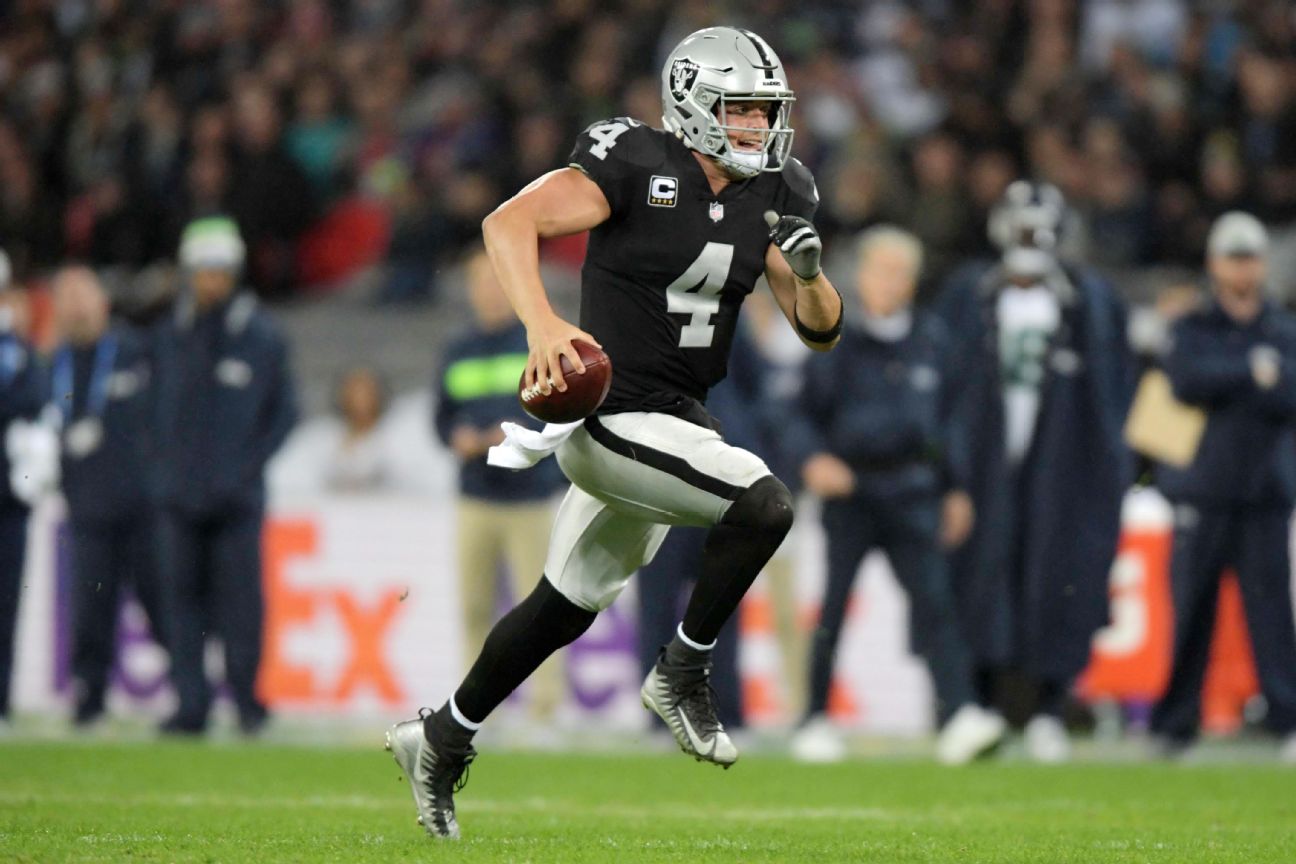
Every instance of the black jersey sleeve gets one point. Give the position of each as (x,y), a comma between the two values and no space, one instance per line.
(613,153)
(801,195)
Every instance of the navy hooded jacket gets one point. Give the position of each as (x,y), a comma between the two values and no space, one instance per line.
(226,403)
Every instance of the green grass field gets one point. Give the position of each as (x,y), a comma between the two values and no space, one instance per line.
(258,803)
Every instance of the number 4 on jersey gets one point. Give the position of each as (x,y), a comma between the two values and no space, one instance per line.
(606,134)
(696,293)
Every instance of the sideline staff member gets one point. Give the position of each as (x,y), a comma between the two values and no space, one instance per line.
(876,447)
(227,403)
(20,400)
(99,390)
(1232,506)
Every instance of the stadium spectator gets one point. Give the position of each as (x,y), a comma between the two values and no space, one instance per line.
(369,91)
(361,459)
(318,139)
(872,431)
(1236,359)
(503,516)
(20,401)
(938,209)
(269,196)
(1045,379)
(226,402)
(100,390)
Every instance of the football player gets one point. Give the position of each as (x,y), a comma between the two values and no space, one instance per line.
(682,222)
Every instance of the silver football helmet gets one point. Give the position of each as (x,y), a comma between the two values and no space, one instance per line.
(720,65)
(1026,224)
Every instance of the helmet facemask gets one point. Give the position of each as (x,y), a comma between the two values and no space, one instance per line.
(775,141)
(1025,226)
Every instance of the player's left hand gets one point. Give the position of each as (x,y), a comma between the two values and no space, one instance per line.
(799,242)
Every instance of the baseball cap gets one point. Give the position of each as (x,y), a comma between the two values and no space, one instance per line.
(212,243)
(1237,234)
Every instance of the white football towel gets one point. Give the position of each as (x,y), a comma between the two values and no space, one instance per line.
(523,447)
(33,450)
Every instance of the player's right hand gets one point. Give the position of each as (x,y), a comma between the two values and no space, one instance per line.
(548,340)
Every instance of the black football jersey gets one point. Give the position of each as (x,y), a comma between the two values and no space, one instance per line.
(665,275)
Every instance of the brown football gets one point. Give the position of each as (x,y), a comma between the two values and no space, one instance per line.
(585,393)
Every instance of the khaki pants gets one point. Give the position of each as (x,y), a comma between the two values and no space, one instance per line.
(516,535)
(793,640)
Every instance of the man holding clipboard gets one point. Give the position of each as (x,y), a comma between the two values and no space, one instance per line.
(1234,488)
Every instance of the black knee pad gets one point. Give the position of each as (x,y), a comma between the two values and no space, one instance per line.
(764,506)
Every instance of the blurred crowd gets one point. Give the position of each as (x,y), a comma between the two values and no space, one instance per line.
(348,134)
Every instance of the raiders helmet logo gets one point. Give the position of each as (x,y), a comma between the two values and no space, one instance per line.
(683,73)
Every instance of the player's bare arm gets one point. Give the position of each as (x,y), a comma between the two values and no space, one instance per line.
(561,202)
(811,303)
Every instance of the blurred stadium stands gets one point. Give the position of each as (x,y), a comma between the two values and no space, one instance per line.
(348,134)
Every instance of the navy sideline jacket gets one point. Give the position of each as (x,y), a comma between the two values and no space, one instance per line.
(226,403)
(117,479)
(883,408)
(1247,454)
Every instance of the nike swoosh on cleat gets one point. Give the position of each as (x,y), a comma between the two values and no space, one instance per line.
(693,736)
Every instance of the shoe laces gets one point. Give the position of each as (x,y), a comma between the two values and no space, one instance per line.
(450,773)
(691,684)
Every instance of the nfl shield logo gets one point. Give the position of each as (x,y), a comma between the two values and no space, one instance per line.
(716,212)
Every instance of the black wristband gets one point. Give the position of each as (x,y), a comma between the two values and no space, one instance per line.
(821,337)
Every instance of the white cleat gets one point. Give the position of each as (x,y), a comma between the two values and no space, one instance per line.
(971,733)
(681,696)
(818,742)
(435,773)
(1047,741)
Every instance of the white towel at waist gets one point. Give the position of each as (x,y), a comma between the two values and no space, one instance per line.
(523,447)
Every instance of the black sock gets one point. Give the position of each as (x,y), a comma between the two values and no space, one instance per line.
(523,639)
(680,653)
(985,680)
(736,549)
(440,726)
(1052,698)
